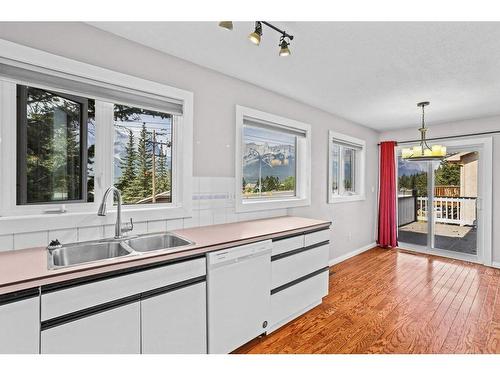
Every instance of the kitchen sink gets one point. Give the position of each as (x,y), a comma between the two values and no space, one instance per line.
(153,242)
(93,251)
(86,252)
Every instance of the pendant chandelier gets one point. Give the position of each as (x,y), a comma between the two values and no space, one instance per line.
(424,152)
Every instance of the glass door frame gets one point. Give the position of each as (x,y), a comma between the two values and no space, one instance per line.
(484,201)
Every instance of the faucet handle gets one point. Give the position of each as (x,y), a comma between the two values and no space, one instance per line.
(127,227)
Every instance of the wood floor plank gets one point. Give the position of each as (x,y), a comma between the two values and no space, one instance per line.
(394,301)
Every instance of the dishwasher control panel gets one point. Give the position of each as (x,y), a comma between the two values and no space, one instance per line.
(240,252)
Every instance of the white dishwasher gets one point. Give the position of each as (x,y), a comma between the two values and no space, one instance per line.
(238,295)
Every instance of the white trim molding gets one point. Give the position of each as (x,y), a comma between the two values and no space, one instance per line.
(18,219)
(351,254)
(302,162)
(359,167)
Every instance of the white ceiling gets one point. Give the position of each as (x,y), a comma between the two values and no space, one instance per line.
(370,73)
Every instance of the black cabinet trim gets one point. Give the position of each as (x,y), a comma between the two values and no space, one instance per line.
(299,280)
(84,313)
(49,288)
(19,295)
(80,314)
(286,236)
(172,287)
(297,251)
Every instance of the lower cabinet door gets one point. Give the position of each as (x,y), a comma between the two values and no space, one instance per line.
(175,322)
(113,331)
(20,326)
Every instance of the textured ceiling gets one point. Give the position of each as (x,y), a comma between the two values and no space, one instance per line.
(370,73)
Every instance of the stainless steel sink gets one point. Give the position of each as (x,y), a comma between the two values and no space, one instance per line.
(86,252)
(160,241)
(93,251)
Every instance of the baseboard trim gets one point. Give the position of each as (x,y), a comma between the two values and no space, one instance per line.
(351,254)
(495,264)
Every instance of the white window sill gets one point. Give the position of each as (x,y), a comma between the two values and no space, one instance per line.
(347,198)
(270,204)
(42,222)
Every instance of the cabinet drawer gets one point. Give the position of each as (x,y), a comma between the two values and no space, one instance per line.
(295,300)
(288,244)
(317,237)
(292,267)
(114,331)
(64,301)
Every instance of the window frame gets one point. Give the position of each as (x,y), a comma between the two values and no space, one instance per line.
(302,161)
(21,218)
(360,164)
(22,136)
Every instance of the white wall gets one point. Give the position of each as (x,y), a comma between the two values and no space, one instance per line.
(215,97)
(458,128)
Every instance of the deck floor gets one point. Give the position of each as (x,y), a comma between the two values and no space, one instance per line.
(394,301)
(456,238)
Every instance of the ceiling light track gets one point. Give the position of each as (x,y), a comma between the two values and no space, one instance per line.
(256,36)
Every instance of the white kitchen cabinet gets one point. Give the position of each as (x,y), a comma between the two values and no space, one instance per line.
(174,322)
(116,330)
(296,299)
(19,324)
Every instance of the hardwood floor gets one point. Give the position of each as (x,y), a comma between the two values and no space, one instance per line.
(393,301)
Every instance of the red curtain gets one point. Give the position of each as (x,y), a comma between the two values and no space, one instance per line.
(387,219)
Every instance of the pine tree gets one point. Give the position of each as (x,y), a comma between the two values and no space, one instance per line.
(141,188)
(128,166)
(163,175)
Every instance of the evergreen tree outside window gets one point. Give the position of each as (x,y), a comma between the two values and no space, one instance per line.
(143,155)
(53,161)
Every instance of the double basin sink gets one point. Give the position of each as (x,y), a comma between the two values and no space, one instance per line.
(93,251)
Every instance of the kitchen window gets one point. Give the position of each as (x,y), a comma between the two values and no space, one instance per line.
(54,155)
(65,139)
(142,155)
(346,168)
(273,161)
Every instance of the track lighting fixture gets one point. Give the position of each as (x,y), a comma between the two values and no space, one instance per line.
(284,51)
(256,36)
(228,25)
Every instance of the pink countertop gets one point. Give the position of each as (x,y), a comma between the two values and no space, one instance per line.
(23,269)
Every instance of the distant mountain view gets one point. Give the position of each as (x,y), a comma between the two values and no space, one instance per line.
(273,154)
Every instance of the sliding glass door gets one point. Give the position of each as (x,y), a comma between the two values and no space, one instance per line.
(437,204)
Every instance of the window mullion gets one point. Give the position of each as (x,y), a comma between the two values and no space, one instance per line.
(104,148)
(341,170)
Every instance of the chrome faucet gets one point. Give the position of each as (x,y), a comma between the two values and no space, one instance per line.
(120,227)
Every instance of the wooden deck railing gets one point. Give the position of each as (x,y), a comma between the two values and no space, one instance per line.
(447,210)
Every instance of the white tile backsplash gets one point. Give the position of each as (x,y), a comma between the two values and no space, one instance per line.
(175,224)
(32,239)
(7,242)
(213,203)
(64,235)
(90,233)
(157,226)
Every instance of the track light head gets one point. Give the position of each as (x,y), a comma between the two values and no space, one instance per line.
(228,25)
(257,34)
(284,51)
